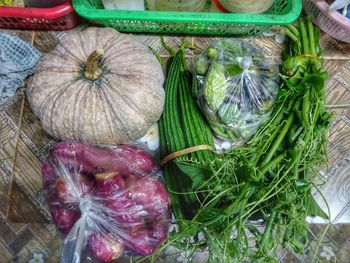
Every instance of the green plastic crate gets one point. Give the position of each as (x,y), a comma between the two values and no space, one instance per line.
(281,13)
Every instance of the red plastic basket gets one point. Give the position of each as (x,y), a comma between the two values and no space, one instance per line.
(60,17)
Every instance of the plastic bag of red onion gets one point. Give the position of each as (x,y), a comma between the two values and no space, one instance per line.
(107,201)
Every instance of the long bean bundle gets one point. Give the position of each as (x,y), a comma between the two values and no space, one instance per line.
(182,127)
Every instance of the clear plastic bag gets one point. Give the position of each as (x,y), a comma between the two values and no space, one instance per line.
(108,201)
(235,87)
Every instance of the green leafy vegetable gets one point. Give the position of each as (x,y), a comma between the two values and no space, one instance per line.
(271,177)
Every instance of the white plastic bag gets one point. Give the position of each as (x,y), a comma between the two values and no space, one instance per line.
(106,200)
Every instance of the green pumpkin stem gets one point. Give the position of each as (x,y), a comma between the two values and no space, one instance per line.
(93,68)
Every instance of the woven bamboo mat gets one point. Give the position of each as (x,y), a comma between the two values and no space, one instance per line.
(26,232)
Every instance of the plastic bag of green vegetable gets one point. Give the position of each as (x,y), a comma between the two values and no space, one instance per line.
(236,87)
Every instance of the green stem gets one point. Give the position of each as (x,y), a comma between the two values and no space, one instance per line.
(279,139)
(311,36)
(293,29)
(304,38)
(255,159)
(291,35)
(268,230)
(166,47)
(271,164)
(297,111)
(338,106)
(245,194)
(297,132)
(316,113)
(187,43)
(306,109)
(296,164)
(159,58)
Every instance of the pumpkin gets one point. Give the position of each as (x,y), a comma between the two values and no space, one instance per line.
(97,86)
